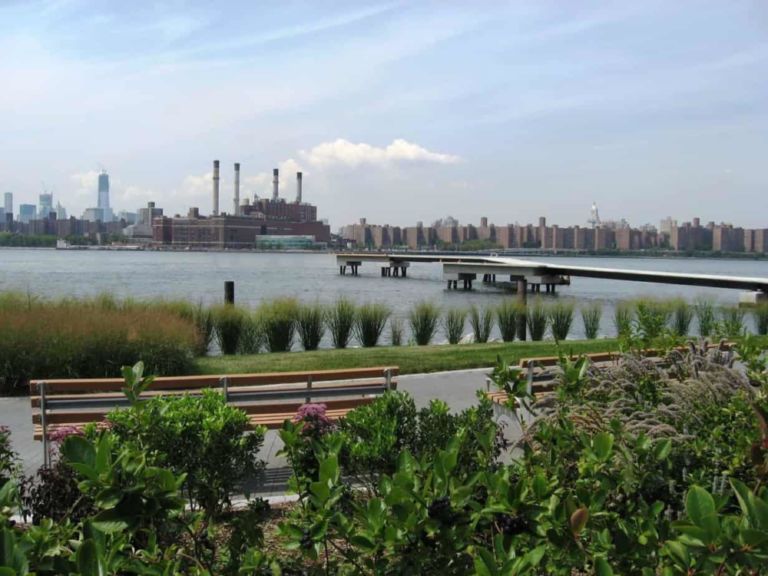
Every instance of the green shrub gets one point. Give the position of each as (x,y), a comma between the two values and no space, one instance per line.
(341,322)
(396,331)
(370,322)
(311,325)
(507,317)
(622,319)
(682,315)
(651,318)
(560,319)
(537,319)
(761,318)
(278,321)
(705,316)
(731,321)
(481,322)
(51,341)
(453,324)
(199,436)
(423,319)
(590,316)
(229,324)
(9,460)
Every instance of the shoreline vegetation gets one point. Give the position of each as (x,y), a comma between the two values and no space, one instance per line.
(94,337)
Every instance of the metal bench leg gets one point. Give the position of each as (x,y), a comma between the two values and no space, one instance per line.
(388,379)
(44,424)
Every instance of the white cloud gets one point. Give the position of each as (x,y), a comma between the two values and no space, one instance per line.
(342,152)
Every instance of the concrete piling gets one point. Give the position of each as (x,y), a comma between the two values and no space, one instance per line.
(229,292)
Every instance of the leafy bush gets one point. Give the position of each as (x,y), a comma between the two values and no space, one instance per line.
(705,316)
(396,331)
(560,319)
(731,321)
(423,319)
(201,437)
(622,319)
(229,325)
(82,342)
(453,324)
(311,325)
(682,315)
(53,493)
(507,317)
(9,460)
(278,321)
(370,322)
(481,322)
(761,318)
(537,319)
(590,317)
(341,322)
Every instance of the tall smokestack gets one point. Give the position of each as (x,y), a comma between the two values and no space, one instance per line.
(215,187)
(298,187)
(275,182)
(237,189)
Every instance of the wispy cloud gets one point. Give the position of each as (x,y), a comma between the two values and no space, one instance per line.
(342,152)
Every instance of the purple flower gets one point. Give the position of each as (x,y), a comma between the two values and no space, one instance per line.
(60,434)
(313,417)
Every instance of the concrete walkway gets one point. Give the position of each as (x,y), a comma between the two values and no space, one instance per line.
(457,389)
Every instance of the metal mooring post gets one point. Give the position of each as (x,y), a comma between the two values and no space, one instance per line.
(229,292)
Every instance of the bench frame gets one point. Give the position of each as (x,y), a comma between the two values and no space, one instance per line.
(243,391)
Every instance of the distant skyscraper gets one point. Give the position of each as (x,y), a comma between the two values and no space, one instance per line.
(46,205)
(103,201)
(9,202)
(27,212)
(61,212)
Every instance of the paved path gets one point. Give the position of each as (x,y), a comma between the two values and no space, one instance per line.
(457,389)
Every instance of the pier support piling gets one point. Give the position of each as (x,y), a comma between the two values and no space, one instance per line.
(229,292)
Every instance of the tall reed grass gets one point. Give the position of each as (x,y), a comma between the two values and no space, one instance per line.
(682,316)
(537,319)
(341,322)
(481,321)
(396,331)
(560,319)
(705,317)
(229,325)
(507,316)
(423,319)
(310,324)
(252,337)
(622,319)
(731,321)
(370,323)
(591,314)
(760,312)
(278,321)
(453,324)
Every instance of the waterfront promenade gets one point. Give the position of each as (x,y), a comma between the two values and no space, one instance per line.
(458,389)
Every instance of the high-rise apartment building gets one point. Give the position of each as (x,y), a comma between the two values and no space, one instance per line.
(46,205)
(103,199)
(8,203)
(27,212)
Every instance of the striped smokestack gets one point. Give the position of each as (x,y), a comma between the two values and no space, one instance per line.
(298,187)
(275,182)
(215,187)
(237,189)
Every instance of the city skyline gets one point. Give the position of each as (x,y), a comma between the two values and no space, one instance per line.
(391,108)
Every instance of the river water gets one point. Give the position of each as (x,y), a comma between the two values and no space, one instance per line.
(200,276)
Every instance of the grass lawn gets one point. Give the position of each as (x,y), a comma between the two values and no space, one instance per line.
(410,359)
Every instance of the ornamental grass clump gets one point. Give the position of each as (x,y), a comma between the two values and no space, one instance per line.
(423,319)
(705,317)
(682,315)
(537,319)
(481,321)
(731,321)
(590,317)
(622,319)
(560,319)
(310,324)
(341,322)
(396,331)
(252,338)
(278,321)
(370,322)
(229,325)
(453,324)
(203,319)
(651,318)
(507,317)
(761,318)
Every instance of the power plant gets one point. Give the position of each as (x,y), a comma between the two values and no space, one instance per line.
(253,223)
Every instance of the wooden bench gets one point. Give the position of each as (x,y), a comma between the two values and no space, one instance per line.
(269,399)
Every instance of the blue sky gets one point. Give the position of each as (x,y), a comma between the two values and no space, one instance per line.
(395,111)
